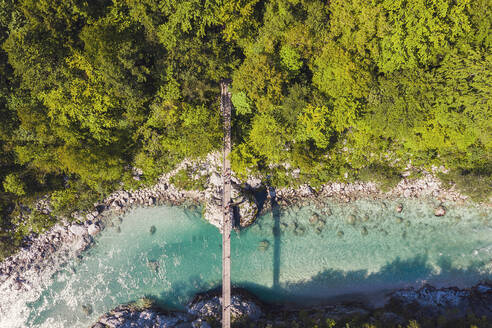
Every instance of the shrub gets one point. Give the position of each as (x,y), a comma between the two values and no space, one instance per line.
(36,222)
(63,201)
(14,184)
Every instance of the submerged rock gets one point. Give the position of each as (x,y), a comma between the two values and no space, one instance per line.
(440,210)
(263,245)
(87,309)
(152,230)
(351,219)
(153,265)
(299,231)
(399,208)
(314,219)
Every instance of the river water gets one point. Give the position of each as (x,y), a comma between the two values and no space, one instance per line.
(357,251)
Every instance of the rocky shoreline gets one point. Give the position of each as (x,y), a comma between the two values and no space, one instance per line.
(23,274)
(426,304)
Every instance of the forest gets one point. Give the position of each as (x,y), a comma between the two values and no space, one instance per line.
(342,90)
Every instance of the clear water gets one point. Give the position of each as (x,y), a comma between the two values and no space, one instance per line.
(381,251)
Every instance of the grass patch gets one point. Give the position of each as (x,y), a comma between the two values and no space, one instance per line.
(183,179)
(477,185)
(386,177)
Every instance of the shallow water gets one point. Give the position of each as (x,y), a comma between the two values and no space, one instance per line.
(313,263)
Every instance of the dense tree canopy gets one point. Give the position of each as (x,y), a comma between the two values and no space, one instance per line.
(90,89)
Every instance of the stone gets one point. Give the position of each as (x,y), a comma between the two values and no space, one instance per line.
(440,210)
(314,219)
(340,233)
(152,230)
(351,219)
(87,309)
(215,179)
(78,230)
(364,231)
(93,229)
(399,208)
(305,190)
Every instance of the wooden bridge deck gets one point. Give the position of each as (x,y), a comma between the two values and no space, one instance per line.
(226,108)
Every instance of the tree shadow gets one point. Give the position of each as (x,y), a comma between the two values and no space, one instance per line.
(330,286)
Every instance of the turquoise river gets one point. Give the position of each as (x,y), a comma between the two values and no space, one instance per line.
(287,256)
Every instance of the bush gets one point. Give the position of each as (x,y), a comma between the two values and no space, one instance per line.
(14,184)
(63,201)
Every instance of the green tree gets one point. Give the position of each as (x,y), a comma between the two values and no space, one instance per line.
(14,184)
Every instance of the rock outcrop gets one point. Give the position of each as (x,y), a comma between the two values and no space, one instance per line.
(245,207)
(210,307)
(426,303)
(127,316)
(203,309)
(429,301)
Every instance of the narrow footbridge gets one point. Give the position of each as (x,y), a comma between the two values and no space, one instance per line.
(226,109)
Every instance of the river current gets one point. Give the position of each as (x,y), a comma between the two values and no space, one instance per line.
(356,251)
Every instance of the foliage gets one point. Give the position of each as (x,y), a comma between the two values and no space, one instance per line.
(13,183)
(36,222)
(241,103)
(337,89)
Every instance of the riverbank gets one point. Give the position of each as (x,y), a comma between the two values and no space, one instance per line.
(49,250)
(426,306)
(23,275)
